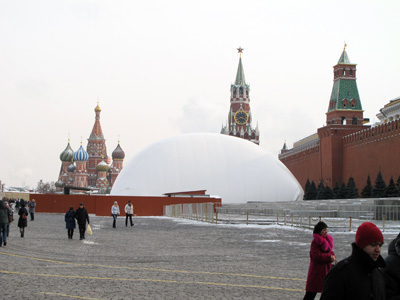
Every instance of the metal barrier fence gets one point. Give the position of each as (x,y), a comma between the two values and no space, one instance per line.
(340,215)
(195,211)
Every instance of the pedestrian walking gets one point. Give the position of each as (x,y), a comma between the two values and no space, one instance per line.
(3,223)
(359,276)
(70,223)
(32,206)
(321,259)
(81,215)
(391,273)
(10,215)
(128,213)
(17,204)
(23,218)
(115,213)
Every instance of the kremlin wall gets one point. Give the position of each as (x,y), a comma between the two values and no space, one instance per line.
(345,147)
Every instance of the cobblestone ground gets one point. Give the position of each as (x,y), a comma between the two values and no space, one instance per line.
(157,258)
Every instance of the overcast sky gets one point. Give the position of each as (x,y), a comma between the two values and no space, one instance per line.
(161,68)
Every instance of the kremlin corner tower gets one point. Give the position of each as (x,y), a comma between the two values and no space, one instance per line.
(239,116)
(91,168)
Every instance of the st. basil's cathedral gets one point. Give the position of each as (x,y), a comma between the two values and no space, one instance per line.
(92,168)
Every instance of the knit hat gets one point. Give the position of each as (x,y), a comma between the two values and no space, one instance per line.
(368,234)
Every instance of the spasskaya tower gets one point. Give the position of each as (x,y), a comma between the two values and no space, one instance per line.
(239,117)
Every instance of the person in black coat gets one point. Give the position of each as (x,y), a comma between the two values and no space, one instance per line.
(23,218)
(359,276)
(392,271)
(70,222)
(81,215)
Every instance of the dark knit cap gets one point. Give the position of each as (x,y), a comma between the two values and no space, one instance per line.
(368,233)
(319,227)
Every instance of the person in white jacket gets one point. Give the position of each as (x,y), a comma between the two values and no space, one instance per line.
(115,213)
(129,213)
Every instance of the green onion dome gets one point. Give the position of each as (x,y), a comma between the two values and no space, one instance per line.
(67,154)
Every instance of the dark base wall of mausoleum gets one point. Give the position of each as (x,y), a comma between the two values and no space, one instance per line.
(101,205)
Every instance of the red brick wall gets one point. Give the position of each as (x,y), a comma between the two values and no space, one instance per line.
(368,151)
(304,165)
(101,205)
(347,151)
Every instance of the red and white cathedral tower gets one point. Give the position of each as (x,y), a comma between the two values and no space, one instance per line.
(239,117)
(96,148)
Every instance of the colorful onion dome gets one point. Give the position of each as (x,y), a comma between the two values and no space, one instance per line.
(59,183)
(81,155)
(71,168)
(102,166)
(67,154)
(118,153)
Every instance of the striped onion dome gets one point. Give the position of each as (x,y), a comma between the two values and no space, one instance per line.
(81,155)
(102,166)
(67,154)
(71,168)
(118,153)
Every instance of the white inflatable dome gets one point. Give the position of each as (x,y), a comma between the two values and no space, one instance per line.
(234,169)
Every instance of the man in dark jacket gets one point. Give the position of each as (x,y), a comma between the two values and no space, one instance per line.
(81,215)
(392,271)
(358,276)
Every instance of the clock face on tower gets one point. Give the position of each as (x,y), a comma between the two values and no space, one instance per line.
(241,117)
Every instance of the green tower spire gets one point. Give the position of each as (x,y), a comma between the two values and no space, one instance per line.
(240,72)
(344,94)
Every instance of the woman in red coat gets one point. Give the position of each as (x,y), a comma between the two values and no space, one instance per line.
(321,258)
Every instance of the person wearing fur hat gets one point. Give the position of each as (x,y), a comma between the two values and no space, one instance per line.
(321,258)
(359,276)
(392,271)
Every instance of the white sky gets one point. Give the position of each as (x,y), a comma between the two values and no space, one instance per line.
(161,68)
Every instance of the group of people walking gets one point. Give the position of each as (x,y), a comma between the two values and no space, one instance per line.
(115,212)
(7,207)
(81,217)
(362,275)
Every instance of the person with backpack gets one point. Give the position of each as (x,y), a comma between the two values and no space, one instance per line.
(23,218)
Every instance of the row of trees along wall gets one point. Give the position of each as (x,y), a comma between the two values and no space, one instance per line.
(350,191)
